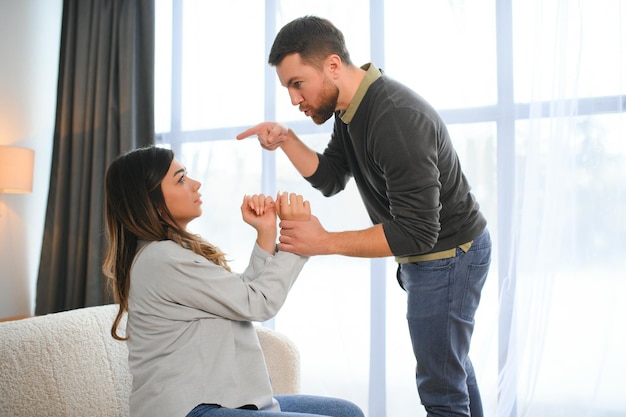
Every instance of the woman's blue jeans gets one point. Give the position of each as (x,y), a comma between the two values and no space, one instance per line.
(442,298)
(290,405)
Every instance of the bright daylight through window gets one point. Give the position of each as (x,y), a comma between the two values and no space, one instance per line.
(534,95)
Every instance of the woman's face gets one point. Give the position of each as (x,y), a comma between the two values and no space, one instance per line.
(181,194)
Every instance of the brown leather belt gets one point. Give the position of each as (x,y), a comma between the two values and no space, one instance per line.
(444,254)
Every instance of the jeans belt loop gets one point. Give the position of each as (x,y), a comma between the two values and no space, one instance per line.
(444,254)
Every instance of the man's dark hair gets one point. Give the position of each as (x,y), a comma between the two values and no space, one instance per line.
(313,38)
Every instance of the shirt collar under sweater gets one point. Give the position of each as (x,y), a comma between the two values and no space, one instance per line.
(372,74)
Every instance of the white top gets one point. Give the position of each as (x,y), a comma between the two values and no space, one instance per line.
(191,339)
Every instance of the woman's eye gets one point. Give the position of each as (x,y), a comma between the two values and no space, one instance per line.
(182,179)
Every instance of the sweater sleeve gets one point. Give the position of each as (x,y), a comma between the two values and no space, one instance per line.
(178,284)
(333,171)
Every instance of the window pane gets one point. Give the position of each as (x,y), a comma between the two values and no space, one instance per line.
(223,63)
(327,315)
(586,247)
(343,211)
(444,50)
(597,161)
(569,49)
(351,17)
(476,146)
(227,170)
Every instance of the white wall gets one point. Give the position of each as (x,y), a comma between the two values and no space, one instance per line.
(30,32)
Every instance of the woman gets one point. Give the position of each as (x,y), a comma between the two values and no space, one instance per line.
(193,350)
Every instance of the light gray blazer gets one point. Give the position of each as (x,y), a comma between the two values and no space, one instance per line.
(191,339)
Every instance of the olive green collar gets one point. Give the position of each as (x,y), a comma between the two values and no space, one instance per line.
(372,74)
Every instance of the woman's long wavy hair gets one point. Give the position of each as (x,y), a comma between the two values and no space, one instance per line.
(135,210)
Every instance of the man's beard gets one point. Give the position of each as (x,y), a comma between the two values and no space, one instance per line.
(328,103)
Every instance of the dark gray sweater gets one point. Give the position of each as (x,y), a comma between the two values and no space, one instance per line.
(398,150)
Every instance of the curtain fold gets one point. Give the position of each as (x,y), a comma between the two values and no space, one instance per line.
(105,106)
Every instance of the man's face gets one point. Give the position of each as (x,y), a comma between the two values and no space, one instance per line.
(309,88)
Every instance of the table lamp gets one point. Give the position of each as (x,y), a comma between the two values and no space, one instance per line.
(16,170)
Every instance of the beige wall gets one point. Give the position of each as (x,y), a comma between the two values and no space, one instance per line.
(29,49)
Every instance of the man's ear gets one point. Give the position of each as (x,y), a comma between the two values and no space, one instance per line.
(333,65)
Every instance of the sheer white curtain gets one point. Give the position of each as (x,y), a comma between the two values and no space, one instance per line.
(566,350)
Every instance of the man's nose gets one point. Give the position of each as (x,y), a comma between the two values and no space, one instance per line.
(295,98)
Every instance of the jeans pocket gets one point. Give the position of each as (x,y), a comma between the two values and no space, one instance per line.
(476,277)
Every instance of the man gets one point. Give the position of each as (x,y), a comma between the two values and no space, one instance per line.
(397,149)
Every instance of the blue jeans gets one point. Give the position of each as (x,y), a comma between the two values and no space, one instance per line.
(290,405)
(442,298)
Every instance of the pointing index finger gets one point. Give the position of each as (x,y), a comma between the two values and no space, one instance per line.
(249,132)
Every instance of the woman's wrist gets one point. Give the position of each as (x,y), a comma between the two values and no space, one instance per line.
(267,240)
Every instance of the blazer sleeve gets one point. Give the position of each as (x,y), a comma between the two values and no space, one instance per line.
(169,276)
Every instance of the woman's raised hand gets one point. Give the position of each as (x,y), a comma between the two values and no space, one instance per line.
(259,211)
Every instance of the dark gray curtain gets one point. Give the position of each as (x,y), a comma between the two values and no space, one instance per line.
(105,106)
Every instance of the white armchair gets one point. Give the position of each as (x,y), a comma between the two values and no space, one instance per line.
(67,364)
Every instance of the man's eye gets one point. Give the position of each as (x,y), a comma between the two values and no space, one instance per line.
(297,84)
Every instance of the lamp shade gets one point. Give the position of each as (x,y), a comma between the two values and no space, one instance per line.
(16,170)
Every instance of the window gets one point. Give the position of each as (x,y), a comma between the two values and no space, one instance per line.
(533,92)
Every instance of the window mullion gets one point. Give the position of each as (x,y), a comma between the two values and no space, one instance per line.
(378,296)
(507,392)
(268,161)
(177,76)
(268,171)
